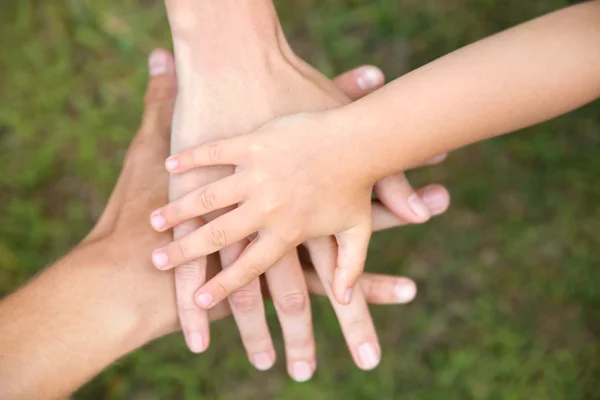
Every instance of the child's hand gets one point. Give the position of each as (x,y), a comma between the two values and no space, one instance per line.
(293,183)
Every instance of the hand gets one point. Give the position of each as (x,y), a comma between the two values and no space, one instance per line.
(55,345)
(122,231)
(121,283)
(223,96)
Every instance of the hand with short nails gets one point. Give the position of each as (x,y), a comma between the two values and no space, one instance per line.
(216,104)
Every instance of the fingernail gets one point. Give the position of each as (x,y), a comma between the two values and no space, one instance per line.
(171,164)
(435,200)
(157,63)
(369,78)
(348,296)
(405,292)
(160,259)
(418,207)
(262,361)
(205,300)
(196,342)
(368,356)
(301,371)
(157,221)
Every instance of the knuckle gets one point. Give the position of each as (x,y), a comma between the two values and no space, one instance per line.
(222,289)
(186,272)
(258,177)
(270,205)
(255,148)
(292,303)
(207,199)
(189,158)
(358,323)
(245,300)
(302,344)
(292,234)
(186,306)
(177,248)
(214,152)
(252,271)
(172,211)
(217,236)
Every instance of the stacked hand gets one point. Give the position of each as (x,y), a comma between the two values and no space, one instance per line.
(219,97)
(143,185)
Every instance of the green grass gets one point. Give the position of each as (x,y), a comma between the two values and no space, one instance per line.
(509,306)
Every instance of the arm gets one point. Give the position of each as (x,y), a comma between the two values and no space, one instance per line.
(517,78)
(236,72)
(75,319)
(104,299)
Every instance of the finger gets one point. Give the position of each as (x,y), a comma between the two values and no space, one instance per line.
(396,193)
(360,81)
(222,152)
(377,288)
(212,237)
(261,254)
(355,319)
(188,278)
(248,311)
(162,80)
(214,196)
(435,197)
(352,254)
(160,94)
(290,297)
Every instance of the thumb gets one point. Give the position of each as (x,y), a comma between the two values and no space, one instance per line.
(160,95)
(352,253)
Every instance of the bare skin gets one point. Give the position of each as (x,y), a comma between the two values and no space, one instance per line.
(511,80)
(103,299)
(236,72)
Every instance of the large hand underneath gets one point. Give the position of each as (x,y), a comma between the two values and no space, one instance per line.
(103,299)
(235,72)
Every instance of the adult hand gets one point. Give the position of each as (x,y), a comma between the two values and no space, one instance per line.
(234,81)
(103,299)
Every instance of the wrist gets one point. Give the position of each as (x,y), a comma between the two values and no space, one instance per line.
(367,136)
(354,140)
(136,301)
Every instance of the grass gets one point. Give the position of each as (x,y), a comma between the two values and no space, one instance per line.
(509,306)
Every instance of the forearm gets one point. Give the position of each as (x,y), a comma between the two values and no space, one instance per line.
(226,52)
(209,34)
(71,322)
(517,78)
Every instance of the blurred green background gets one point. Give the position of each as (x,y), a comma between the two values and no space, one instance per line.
(509,301)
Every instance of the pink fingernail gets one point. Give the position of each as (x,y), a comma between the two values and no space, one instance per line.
(418,207)
(196,342)
(348,296)
(160,259)
(171,164)
(301,371)
(205,300)
(262,361)
(157,221)
(435,200)
(368,356)
(157,63)
(369,78)
(405,292)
